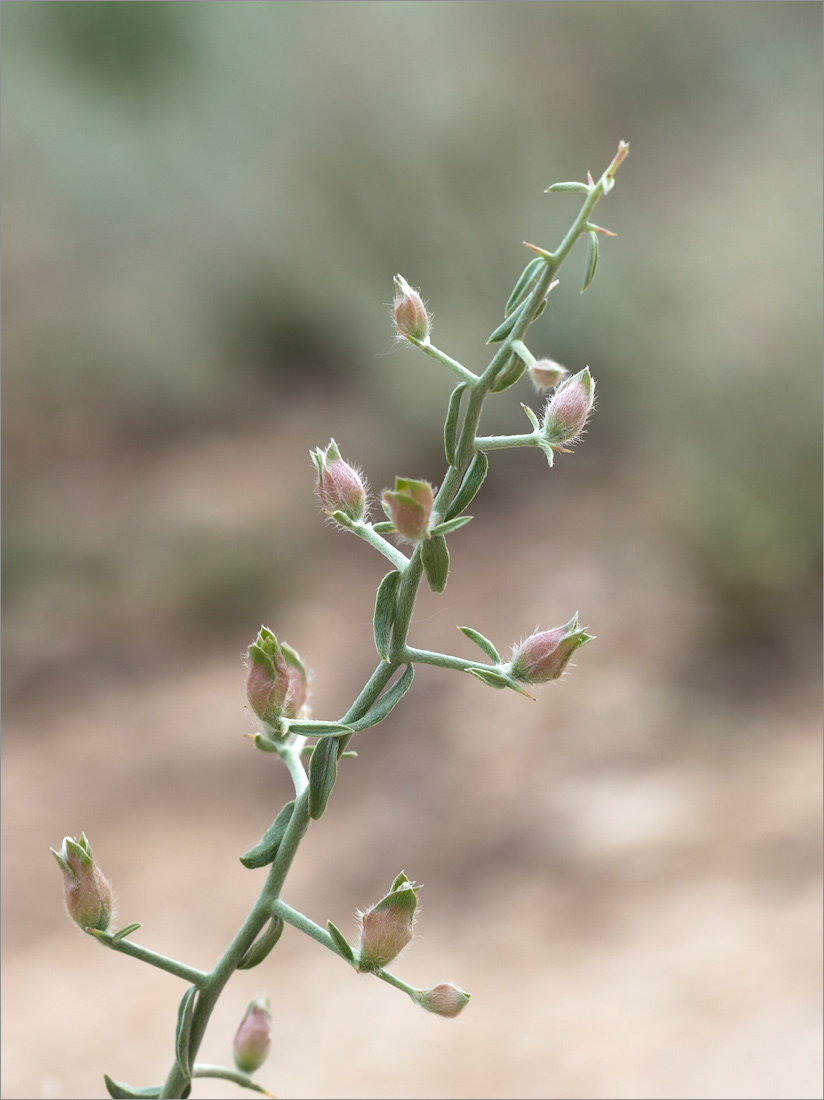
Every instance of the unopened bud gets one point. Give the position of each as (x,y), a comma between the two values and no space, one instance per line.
(340,486)
(569,407)
(546,374)
(411,318)
(295,705)
(545,655)
(386,928)
(276,681)
(444,1000)
(87,893)
(253,1038)
(409,506)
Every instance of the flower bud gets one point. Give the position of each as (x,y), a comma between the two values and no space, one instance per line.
(386,928)
(444,1000)
(276,679)
(87,893)
(252,1040)
(340,487)
(569,407)
(546,374)
(409,506)
(545,655)
(295,705)
(411,318)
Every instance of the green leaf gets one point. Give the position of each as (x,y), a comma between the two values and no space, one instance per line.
(450,525)
(592,258)
(386,602)
(118,1091)
(386,702)
(470,485)
(266,848)
(548,451)
(265,744)
(323,771)
(310,728)
(183,1033)
(484,643)
(523,285)
(567,187)
(340,941)
(533,419)
(503,330)
(263,945)
(486,676)
(127,931)
(384,527)
(435,558)
(540,309)
(450,428)
(509,374)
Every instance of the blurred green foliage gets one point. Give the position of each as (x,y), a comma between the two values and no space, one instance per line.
(205,203)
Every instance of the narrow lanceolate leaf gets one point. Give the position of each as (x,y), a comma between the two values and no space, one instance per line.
(262,945)
(118,1091)
(384,527)
(503,330)
(592,259)
(435,558)
(484,643)
(310,728)
(523,285)
(548,451)
(540,309)
(470,485)
(386,602)
(184,1031)
(266,848)
(127,931)
(323,771)
(386,702)
(450,428)
(340,941)
(486,676)
(509,374)
(533,419)
(567,187)
(450,525)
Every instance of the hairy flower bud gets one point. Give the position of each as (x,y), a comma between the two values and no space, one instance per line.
(386,928)
(409,506)
(444,1000)
(340,487)
(87,893)
(411,318)
(546,374)
(569,407)
(276,681)
(252,1040)
(545,655)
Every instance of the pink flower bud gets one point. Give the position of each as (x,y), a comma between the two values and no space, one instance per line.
(267,681)
(546,374)
(295,705)
(545,655)
(443,1000)
(87,893)
(340,487)
(386,928)
(569,407)
(411,318)
(253,1038)
(409,506)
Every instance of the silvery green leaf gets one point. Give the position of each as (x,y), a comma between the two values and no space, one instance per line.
(435,558)
(567,187)
(450,525)
(486,676)
(523,285)
(266,848)
(386,600)
(340,941)
(484,643)
(127,931)
(384,527)
(310,728)
(470,485)
(118,1091)
(323,771)
(450,428)
(533,419)
(592,258)
(183,1032)
(263,945)
(386,702)
(503,330)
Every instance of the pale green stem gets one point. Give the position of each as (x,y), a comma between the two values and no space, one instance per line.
(368,533)
(223,1073)
(462,372)
(443,660)
(171,966)
(499,442)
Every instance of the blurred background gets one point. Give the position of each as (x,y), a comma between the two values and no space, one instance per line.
(203,208)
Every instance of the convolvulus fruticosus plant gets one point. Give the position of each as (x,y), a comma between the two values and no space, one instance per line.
(421,517)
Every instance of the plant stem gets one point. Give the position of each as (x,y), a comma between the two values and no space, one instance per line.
(188,973)
(442,660)
(499,442)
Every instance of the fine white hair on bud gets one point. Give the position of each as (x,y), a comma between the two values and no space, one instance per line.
(411,318)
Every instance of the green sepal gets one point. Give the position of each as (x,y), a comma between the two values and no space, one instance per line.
(486,676)
(548,450)
(403,896)
(342,519)
(533,419)
(310,728)
(503,330)
(384,527)
(567,187)
(592,258)
(399,881)
(340,941)
(435,558)
(263,945)
(61,863)
(323,771)
(77,848)
(386,702)
(183,1032)
(509,374)
(127,931)
(266,848)
(450,428)
(470,485)
(265,744)
(523,285)
(118,1091)
(292,658)
(386,602)
(484,643)
(450,525)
